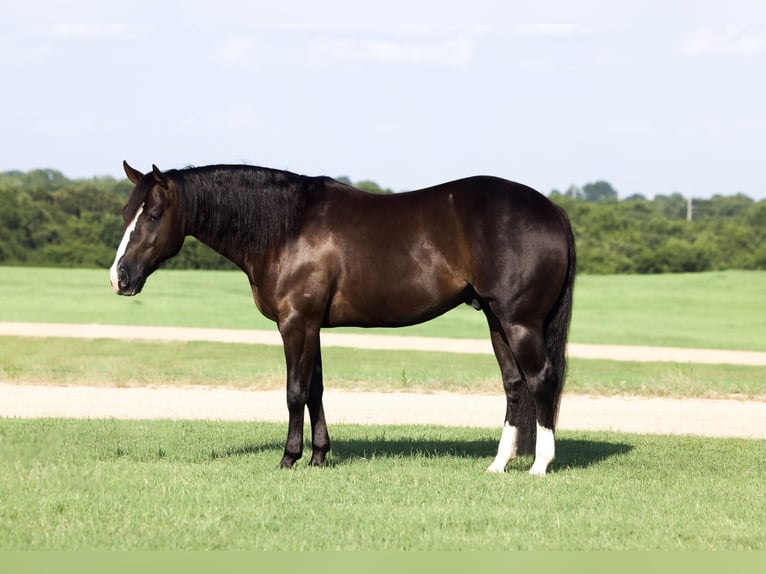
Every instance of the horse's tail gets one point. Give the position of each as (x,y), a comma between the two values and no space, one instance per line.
(555,333)
(556,327)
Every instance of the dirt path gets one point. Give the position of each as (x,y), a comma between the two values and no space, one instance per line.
(383,342)
(640,415)
(624,414)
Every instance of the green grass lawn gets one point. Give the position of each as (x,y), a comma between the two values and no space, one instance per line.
(723,310)
(684,310)
(89,484)
(116,363)
(110,484)
(717,310)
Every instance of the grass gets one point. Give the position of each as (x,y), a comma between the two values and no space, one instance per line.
(88,484)
(109,484)
(116,363)
(716,310)
(721,310)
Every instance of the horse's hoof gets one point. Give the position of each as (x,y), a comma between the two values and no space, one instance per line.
(286,462)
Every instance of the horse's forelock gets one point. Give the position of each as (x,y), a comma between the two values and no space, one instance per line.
(137,198)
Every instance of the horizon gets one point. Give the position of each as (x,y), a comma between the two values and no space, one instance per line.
(383,186)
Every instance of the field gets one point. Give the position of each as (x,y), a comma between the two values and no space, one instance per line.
(722,310)
(71,484)
(113,363)
(110,484)
(606,311)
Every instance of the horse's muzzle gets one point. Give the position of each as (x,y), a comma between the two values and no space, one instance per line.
(122,283)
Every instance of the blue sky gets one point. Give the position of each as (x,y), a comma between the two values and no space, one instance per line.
(655,97)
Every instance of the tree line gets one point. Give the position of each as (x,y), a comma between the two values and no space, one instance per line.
(47,219)
(669,234)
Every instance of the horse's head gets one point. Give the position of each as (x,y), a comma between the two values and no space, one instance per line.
(153,230)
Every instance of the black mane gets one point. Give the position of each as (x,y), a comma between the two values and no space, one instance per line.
(235,207)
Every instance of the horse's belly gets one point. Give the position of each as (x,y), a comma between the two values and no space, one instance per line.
(404,276)
(397,306)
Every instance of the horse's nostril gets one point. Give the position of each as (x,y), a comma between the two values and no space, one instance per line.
(123,279)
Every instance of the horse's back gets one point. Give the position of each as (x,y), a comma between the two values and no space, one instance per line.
(466,202)
(499,222)
(414,255)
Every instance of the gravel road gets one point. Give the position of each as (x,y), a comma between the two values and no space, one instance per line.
(624,414)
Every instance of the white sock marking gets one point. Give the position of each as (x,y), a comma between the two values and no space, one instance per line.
(506,450)
(545,451)
(121,250)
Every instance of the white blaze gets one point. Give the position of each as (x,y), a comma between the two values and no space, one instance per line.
(121,250)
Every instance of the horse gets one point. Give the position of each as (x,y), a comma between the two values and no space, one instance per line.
(319,253)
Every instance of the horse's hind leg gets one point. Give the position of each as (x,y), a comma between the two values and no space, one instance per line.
(512,383)
(520,349)
(528,347)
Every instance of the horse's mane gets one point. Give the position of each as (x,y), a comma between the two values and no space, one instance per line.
(242,208)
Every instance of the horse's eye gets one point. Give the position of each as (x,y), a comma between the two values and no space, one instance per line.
(154,216)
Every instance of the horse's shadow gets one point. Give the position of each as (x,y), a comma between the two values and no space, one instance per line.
(579,453)
(570,453)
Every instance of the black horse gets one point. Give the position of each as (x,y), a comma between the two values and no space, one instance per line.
(320,253)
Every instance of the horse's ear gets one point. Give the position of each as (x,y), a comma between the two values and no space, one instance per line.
(159,177)
(133,174)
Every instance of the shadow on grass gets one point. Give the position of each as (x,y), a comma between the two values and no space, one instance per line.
(577,451)
(570,453)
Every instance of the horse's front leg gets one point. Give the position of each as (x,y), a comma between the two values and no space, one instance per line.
(301,345)
(320,439)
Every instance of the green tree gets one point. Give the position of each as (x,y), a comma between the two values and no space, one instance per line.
(365,185)
(599,191)
(371,187)
(672,206)
(47,219)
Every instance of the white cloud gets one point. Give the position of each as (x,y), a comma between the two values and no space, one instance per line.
(552,30)
(729,41)
(442,53)
(630,127)
(95,31)
(237,50)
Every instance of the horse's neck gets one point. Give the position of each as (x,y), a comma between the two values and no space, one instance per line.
(220,221)
(207,234)
(216,245)
(215,242)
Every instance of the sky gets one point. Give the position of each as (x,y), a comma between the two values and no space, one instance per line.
(654,97)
